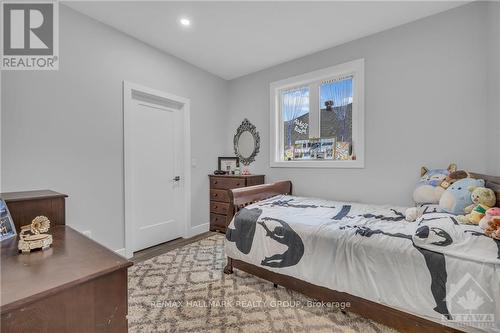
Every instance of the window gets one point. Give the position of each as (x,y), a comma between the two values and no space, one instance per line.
(317,118)
(295,115)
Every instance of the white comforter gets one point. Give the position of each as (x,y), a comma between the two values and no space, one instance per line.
(434,267)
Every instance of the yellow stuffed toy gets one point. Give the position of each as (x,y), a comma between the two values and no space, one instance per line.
(482,200)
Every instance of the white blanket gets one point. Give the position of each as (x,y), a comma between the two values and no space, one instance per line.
(441,232)
(433,267)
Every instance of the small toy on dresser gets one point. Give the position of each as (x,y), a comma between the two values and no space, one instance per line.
(34,236)
(490,223)
(246,171)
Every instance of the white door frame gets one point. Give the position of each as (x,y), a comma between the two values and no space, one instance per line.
(180,103)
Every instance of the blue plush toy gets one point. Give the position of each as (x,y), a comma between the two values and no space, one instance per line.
(457,196)
(428,190)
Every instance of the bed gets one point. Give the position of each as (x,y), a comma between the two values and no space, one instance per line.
(433,275)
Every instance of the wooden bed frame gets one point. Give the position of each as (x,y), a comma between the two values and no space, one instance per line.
(397,319)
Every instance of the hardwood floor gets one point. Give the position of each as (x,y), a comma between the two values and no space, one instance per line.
(168,246)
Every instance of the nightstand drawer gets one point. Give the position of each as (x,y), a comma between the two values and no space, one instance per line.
(219,195)
(218,221)
(226,183)
(219,207)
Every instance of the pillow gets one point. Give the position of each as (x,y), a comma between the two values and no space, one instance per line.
(457,196)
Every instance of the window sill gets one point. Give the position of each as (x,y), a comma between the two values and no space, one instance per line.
(357,164)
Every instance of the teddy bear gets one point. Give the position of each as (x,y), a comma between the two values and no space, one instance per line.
(494,228)
(491,214)
(453,177)
(491,223)
(482,199)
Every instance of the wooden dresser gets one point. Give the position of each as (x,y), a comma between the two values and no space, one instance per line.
(76,285)
(221,209)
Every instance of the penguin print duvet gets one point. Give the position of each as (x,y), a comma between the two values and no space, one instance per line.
(434,268)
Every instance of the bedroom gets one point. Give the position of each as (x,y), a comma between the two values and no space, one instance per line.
(423,81)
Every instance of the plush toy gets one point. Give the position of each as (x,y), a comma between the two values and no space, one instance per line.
(493,228)
(453,177)
(482,200)
(490,215)
(457,196)
(428,189)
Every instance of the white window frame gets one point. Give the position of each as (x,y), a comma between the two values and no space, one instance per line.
(355,68)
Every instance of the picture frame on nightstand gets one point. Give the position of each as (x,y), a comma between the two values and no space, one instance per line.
(228,164)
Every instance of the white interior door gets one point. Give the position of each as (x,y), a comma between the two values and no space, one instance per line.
(153,171)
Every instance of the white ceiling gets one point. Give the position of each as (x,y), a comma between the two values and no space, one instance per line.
(231,39)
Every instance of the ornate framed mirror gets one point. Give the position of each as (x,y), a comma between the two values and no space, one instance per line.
(246,142)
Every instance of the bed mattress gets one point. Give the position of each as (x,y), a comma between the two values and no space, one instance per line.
(434,267)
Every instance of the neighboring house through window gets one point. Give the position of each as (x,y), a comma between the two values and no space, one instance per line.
(317,119)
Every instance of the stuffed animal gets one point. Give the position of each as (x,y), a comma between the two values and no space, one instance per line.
(453,177)
(428,190)
(482,200)
(493,229)
(490,215)
(457,196)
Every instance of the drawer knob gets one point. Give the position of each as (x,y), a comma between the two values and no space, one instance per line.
(215,194)
(215,182)
(215,206)
(237,184)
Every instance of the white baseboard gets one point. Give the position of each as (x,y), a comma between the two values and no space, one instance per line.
(198,229)
(121,252)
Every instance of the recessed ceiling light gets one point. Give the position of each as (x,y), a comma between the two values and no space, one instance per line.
(185,22)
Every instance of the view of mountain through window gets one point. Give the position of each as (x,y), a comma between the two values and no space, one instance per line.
(324,132)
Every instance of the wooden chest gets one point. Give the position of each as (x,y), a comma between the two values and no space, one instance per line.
(221,209)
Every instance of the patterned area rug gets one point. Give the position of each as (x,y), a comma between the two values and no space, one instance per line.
(185,290)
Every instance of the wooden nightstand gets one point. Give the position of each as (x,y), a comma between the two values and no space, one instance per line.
(221,210)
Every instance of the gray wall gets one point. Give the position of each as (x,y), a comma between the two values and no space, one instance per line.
(493,154)
(431,86)
(63,129)
(425,105)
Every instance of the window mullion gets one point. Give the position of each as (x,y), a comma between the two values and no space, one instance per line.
(314,112)
(279,128)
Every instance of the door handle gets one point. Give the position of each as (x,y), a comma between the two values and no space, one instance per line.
(176,178)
